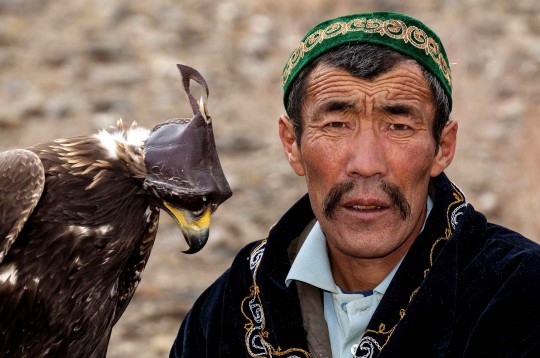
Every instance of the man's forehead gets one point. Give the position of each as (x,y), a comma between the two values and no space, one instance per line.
(403,88)
(404,80)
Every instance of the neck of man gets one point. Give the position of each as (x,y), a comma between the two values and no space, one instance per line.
(356,275)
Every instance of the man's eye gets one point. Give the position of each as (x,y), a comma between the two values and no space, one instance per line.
(336,124)
(399,127)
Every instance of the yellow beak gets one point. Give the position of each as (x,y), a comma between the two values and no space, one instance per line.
(194,226)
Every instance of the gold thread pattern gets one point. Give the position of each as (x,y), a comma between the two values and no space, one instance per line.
(256,337)
(395,29)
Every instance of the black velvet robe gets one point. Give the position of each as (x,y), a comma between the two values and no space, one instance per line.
(466,288)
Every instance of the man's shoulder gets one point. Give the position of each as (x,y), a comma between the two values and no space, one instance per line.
(243,256)
(241,269)
(233,280)
(488,252)
(511,241)
(478,236)
(505,252)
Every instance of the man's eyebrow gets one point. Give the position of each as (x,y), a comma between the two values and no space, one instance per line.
(398,109)
(336,106)
(410,111)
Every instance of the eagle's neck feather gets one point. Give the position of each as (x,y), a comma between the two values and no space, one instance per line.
(126,145)
(110,139)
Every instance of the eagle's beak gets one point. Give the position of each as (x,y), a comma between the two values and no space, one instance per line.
(194,225)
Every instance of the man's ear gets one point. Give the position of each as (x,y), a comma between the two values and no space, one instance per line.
(447,149)
(290,144)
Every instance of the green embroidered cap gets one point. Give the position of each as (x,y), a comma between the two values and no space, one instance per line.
(396,31)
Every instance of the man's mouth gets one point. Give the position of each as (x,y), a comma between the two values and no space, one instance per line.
(392,197)
(366,207)
(365,212)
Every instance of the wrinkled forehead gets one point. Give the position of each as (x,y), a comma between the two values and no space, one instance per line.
(403,65)
(329,87)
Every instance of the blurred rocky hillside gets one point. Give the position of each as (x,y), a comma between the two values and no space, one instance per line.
(71,67)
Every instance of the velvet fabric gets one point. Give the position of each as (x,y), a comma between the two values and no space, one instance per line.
(466,288)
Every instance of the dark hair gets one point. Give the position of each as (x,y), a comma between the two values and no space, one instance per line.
(365,61)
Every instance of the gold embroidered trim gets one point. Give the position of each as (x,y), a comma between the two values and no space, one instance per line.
(395,29)
(256,335)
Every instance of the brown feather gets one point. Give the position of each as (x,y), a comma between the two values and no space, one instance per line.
(21,184)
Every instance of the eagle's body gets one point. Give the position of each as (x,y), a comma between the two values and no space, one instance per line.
(83,255)
(78,218)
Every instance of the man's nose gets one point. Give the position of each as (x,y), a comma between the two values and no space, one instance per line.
(365,155)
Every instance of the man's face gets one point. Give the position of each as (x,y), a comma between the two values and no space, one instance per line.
(367,152)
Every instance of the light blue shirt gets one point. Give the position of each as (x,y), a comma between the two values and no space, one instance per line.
(347,314)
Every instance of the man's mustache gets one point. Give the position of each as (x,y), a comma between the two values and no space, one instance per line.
(336,193)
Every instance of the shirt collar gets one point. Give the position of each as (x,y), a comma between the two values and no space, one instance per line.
(312,265)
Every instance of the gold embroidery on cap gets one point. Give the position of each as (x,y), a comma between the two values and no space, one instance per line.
(395,29)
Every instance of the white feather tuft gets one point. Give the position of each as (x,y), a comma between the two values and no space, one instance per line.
(134,136)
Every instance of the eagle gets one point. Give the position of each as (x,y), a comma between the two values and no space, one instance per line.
(78,218)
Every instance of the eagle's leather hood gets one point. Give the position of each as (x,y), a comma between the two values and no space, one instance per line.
(181,153)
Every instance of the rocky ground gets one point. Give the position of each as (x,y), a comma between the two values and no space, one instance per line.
(71,67)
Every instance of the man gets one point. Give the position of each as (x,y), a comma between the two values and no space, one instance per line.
(384,256)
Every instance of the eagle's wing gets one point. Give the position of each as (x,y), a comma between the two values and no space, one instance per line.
(131,276)
(22,179)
